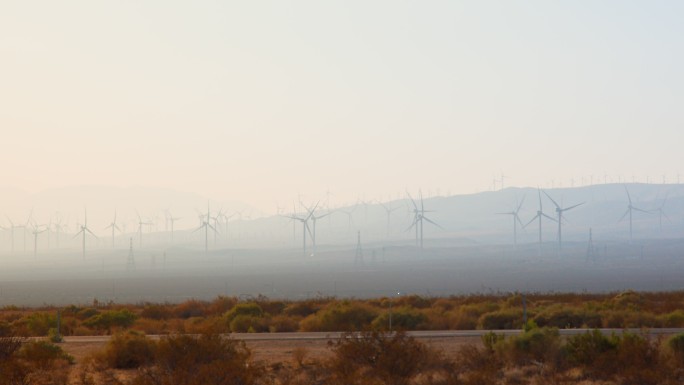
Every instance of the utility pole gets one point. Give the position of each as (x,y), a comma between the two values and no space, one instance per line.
(358,259)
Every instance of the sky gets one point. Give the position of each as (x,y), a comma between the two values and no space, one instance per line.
(264,101)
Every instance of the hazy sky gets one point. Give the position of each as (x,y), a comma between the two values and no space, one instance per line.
(261,100)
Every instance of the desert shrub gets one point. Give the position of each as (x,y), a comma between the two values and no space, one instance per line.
(386,358)
(189,308)
(155,312)
(221,304)
(302,308)
(84,314)
(248,324)
(676,345)
(127,350)
(594,352)
(565,318)
(39,323)
(151,326)
(414,301)
(282,323)
(638,360)
(403,318)
(250,309)
(477,366)
(200,360)
(272,307)
(537,345)
(627,300)
(111,319)
(673,319)
(340,316)
(458,320)
(502,319)
(43,354)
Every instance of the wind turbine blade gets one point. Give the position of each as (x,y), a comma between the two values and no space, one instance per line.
(434,223)
(412,201)
(519,221)
(520,205)
(572,207)
(629,197)
(623,216)
(77,234)
(540,201)
(91,233)
(549,196)
(666,217)
(531,220)
(643,211)
(549,217)
(415,220)
(197,229)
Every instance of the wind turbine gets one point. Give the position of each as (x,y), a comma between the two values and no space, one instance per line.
(389,210)
(140,227)
(661,213)
(25,226)
(540,214)
(114,228)
(516,220)
(12,227)
(171,220)
(560,211)
(84,230)
(36,230)
(206,225)
(305,227)
(630,208)
(419,217)
(314,218)
(58,228)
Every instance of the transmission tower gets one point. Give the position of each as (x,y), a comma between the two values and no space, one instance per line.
(358,260)
(130,263)
(590,247)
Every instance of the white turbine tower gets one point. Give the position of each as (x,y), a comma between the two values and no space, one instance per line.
(84,230)
(560,211)
(140,227)
(419,217)
(206,225)
(114,228)
(661,212)
(36,229)
(171,220)
(305,227)
(630,208)
(516,220)
(539,216)
(314,218)
(389,210)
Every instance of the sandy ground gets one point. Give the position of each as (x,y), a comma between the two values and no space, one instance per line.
(267,352)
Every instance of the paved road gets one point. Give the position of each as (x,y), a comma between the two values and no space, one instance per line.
(423,334)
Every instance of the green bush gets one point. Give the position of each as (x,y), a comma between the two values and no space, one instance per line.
(340,316)
(250,309)
(128,350)
(568,318)
(676,345)
(502,319)
(592,350)
(39,324)
(199,360)
(111,318)
(404,318)
(248,324)
(43,353)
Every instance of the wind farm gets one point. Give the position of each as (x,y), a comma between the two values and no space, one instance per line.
(456,232)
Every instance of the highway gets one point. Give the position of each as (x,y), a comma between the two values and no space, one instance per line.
(422,334)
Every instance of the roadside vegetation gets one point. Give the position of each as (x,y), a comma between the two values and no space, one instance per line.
(194,347)
(627,309)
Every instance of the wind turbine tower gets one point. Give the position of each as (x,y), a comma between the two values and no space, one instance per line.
(114,228)
(83,231)
(560,210)
(540,214)
(516,220)
(419,217)
(630,208)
